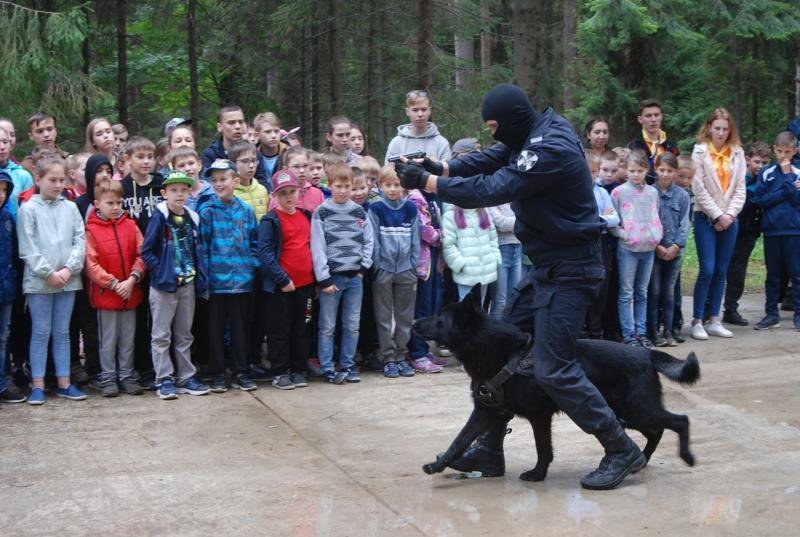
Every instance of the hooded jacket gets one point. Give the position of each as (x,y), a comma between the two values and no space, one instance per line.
(158,252)
(472,253)
(22,181)
(51,236)
(84,201)
(256,196)
(113,253)
(541,170)
(8,245)
(431,142)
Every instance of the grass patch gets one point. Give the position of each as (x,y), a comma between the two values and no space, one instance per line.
(756,270)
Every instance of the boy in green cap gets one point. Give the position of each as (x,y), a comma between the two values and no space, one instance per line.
(169,250)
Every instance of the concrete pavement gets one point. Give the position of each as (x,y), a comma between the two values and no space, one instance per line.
(346,460)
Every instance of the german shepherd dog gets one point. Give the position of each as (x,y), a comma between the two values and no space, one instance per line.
(626,376)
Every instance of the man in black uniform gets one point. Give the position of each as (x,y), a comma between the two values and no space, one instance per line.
(540,167)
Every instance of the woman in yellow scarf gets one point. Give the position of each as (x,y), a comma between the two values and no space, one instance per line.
(719,192)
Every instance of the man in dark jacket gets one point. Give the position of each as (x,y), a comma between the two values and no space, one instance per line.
(231,127)
(540,167)
(652,140)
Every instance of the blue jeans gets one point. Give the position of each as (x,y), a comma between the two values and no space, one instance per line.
(5,324)
(634,275)
(714,251)
(349,294)
(508,276)
(661,293)
(463,290)
(50,315)
(781,254)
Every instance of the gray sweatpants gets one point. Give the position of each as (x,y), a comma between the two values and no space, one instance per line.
(116,331)
(393,295)
(172,314)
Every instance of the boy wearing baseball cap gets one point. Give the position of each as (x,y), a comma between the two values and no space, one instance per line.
(284,249)
(170,252)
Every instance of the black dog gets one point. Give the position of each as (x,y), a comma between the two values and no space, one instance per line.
(626,376)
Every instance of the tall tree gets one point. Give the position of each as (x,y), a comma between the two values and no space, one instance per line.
(425,44)
(526,45)
(486,37)
(335,60)
(374,60)
(194,90)
(568,46)
(122,61)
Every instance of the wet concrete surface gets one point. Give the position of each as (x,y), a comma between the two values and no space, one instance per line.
(346,460)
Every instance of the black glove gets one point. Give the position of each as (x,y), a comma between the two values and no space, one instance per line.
(412,176)
(433,166)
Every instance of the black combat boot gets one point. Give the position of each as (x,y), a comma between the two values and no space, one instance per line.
(622,457)
(485,455)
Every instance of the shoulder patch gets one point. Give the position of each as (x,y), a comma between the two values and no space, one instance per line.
(536,140)
(527,160)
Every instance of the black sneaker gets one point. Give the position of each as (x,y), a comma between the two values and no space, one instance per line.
(677,336)
(10,395)
(259,373)
(78,375)
(660,341)
(733,317)
(243,382)
(770,321)
(283,382)
(632,341)
(218,384)
(645,342)
(334,377)
(352,374)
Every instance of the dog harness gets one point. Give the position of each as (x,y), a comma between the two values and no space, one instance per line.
(490,392)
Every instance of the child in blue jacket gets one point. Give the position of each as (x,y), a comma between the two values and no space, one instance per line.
(8,281)
(778,193)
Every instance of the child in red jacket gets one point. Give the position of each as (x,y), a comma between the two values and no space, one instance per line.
(114,267)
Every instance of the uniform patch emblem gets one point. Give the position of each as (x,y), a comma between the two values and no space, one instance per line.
(527,160)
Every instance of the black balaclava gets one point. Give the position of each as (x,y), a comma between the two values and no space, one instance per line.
(509,106)
(92,165)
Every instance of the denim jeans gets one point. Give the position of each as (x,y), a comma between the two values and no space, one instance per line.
(50,316)
(781,253)
(508,276)
(661,293)
(5,325)
(714,251)
(429,302)
(463,290)
(349,294)
(634,275)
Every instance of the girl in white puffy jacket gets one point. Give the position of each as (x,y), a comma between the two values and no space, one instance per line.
(470,248)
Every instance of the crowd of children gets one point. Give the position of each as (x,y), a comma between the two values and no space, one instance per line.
(138,265)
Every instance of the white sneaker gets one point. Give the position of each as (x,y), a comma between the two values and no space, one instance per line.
(716,329)
(698,332)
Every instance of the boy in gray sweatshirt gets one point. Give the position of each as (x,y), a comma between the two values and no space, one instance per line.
(341,249)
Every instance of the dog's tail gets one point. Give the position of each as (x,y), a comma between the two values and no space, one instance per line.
(682,371)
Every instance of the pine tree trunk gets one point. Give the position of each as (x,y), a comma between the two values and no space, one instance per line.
(425,45)
(335,62)
(191,38)
(797,89)
(570,22)
(526,45)
(122,62)
(374,57)
(316,50)
(87,58)
(465,57)
(486,38)
(737,80)
(303,105)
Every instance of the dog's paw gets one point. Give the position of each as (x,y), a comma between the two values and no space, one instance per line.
(688,458)
(536,474)
(433,468)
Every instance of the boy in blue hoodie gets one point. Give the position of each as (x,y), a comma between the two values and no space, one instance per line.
(395,228)
(778,193)
(8,281)
(227,253)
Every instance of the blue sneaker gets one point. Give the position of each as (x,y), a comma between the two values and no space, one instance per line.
(243,382)
(36,397)
(352,374)
(334,377)
(405,369)
(71,392)
(165,389)
(193,386)
(390,370)
(259,373)
(218,384)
